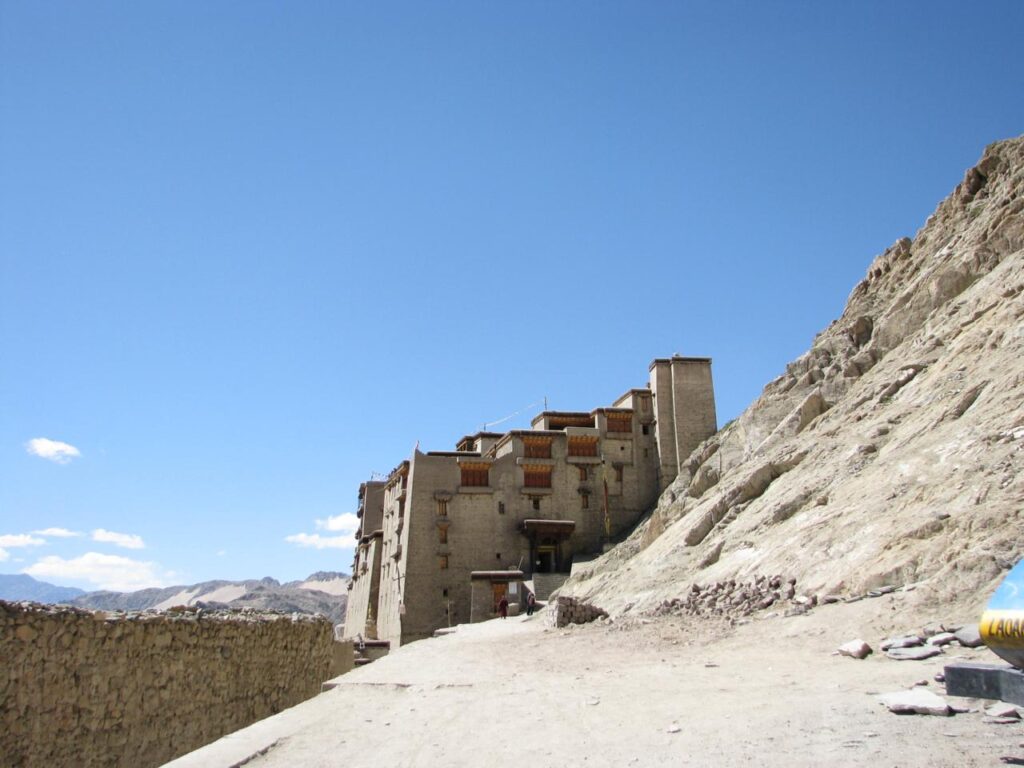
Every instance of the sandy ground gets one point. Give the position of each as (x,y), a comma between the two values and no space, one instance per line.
(519,692)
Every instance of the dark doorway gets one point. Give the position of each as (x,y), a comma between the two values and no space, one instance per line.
(547,556)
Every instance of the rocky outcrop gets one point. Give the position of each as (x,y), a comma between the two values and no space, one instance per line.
(890,452)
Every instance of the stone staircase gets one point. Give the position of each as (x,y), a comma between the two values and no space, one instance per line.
(370,650)
(546,583)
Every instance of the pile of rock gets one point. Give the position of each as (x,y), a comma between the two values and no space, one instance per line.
(569,610)
(929,642)
(736,598)
(917,646)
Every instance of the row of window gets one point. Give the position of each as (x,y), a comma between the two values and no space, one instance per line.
(534,476)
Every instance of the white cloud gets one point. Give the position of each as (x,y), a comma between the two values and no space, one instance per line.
(57,533)
(221,552)
(52,450)
(4,554)
(114,572)
(347,523)
(20,540)
(317,541)
(126,540)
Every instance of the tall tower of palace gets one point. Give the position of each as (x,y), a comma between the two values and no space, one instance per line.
(684,406)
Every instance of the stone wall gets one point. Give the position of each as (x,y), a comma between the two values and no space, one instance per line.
(110,689)
(569,610)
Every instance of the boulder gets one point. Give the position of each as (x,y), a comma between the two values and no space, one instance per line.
(969,636)
(855,649)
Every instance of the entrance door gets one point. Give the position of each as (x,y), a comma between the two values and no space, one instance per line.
(500,591)
(547,555)
(546,559)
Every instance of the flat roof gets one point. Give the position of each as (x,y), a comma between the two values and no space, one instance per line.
(633,391)
(679,359)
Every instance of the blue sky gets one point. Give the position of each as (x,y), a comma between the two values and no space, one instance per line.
(252,252)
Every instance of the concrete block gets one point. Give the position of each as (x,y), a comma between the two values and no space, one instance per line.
(985,681)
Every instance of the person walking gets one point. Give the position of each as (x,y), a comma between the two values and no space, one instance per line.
(531,604)
(503,607)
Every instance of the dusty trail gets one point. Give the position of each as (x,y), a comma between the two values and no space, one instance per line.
(520,692)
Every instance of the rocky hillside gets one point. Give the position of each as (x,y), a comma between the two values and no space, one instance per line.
(889,454)
(323,592)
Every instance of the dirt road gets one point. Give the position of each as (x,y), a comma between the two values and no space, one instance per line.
(631,692)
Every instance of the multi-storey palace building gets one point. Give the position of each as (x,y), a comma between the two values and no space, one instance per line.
(524,502)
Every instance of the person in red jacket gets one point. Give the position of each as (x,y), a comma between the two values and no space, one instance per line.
(503,607)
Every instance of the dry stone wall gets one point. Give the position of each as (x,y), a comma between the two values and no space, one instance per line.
(115,689)
(569,610)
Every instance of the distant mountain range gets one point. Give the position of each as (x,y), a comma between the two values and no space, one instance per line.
(21,587)
(324,592)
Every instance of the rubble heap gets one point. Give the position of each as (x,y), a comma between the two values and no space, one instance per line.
(739,598)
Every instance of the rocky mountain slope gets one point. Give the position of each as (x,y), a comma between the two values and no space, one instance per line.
(323,592)
(889,454)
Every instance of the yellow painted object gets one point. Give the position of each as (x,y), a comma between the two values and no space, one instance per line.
(1002,624)
(1003,633)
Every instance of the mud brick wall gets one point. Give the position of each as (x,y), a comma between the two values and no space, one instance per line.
(569,610)
(90,688)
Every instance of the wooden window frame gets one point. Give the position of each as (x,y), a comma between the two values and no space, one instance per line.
(475,475)
(582,446)
(536,476)
(619,422)
(537,447)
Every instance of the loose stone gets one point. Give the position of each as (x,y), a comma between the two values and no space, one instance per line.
(969,636)
(1002,709)
(901,641)
(855,649)
(913,654)
(917,701)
